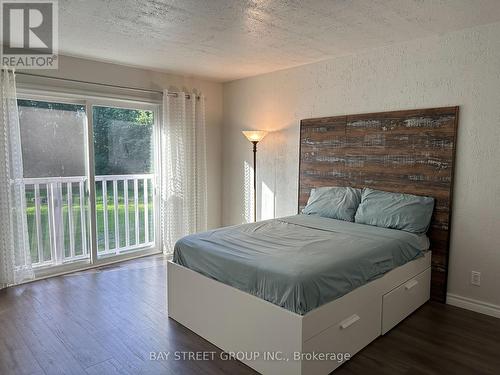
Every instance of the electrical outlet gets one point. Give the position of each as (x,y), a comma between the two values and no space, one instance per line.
(475,278)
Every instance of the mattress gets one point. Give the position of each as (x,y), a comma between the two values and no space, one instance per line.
(299,262)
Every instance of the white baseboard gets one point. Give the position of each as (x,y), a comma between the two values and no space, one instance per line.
(473,304)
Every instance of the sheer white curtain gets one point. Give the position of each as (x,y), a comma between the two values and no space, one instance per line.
(184,172)
(15,259)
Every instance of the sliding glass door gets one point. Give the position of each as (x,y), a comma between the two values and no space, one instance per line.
(124,160)
(90,179)
(55,180)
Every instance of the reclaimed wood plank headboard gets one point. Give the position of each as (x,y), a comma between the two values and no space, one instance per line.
(409,151)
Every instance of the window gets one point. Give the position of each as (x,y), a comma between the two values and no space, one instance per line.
(124,168)
(57,155)
(53,148)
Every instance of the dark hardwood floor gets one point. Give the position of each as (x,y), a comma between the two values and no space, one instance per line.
(107,321)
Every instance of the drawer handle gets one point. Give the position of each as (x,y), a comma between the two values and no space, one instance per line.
(410,284)
(349,321)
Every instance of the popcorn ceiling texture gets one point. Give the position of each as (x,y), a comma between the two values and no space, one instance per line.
(459,68)
(229,39)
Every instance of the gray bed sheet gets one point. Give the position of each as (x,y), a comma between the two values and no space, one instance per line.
(299,262)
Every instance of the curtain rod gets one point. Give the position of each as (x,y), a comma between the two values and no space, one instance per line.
(103,84)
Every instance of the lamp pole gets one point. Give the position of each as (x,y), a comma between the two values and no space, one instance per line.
(255,180)
(254,136)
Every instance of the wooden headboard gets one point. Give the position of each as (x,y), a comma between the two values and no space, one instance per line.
(404,151)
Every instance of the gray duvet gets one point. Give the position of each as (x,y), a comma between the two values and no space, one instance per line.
(299,262)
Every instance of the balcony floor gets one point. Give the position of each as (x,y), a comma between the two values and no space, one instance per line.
(108,320)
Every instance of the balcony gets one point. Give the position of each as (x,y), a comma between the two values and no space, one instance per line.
(57,217)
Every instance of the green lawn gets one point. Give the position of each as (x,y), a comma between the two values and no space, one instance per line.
(77,227)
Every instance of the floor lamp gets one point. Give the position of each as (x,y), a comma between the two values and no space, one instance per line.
(254,136)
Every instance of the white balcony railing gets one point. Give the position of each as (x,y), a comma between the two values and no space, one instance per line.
(57,216)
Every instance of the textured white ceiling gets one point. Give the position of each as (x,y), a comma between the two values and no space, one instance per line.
(226,40)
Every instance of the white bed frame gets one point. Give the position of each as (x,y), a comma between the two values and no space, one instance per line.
(257,330)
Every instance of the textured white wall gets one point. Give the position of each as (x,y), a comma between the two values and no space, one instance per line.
(93,71)
(460,68)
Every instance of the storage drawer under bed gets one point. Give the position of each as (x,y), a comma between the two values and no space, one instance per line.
(403,300)
(349,335)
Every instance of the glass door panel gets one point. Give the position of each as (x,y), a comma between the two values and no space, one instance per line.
(55,181)
(124,179)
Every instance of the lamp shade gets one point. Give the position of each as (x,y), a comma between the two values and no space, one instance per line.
(254,135)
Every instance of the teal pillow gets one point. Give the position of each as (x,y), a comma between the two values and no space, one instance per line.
(333,202)
(411,213)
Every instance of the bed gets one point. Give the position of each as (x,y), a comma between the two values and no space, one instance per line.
(301,294)
(299,262)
